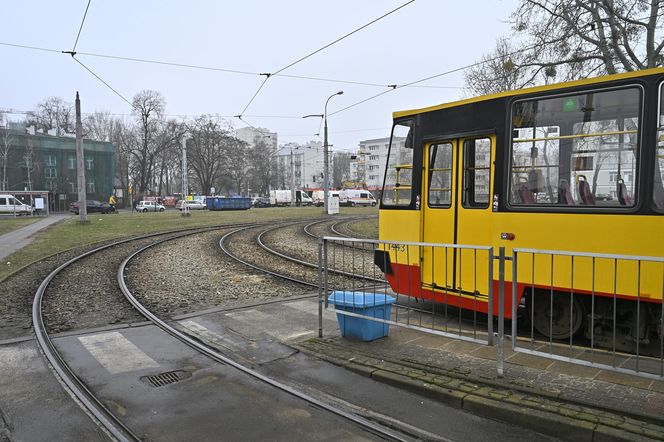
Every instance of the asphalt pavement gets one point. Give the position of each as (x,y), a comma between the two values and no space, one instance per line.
(19,238)
(553,399)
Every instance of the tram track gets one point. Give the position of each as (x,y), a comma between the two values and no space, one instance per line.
(215,355)
(74,385)
(293,268)
(97,408)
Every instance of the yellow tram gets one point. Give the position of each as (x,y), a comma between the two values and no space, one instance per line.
(576,166)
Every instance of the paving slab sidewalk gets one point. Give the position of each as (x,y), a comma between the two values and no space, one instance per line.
(535,392)
(19,238)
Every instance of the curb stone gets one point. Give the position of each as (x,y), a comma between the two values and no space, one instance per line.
(546,414)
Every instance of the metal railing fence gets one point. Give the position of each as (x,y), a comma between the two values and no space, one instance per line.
(617,297)
(347,265)
(598,310)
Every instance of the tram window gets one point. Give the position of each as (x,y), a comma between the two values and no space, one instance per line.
(440,175)
(397,188)
(576,149)
(658,190)
(476,173)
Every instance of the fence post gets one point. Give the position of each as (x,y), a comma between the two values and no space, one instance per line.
(514,293)
(491,300)
(501,310)
(320,287)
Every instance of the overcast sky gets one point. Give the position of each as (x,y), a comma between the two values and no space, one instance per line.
(424,38)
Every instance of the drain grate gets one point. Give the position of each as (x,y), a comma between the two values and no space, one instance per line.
(161,379)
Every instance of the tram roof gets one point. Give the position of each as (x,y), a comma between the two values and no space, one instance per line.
(549,87)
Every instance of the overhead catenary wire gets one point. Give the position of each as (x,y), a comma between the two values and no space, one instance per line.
(278,71)
(104,82)
(81,27)
(392,87)
(448,72)
(216,69)
(342,38)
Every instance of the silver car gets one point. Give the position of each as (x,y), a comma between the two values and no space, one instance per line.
(192,205)
(149,206)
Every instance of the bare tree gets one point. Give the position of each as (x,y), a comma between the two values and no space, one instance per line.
(29,162)
(236,162)
(571,39)
(100,126)
(581,38)
(53,113)
(340,169)
(205,152)
(6,142)
(260,157)
(499,71)
(152,136)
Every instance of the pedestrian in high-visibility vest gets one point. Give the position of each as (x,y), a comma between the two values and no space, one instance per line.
(112,202)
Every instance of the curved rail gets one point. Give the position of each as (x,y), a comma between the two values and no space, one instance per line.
(255,267)
(216,356)
(75,386)
(259,241)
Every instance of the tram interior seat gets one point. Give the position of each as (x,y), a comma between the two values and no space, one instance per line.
(623,196)
(527,197)
(585,194)
(565,194)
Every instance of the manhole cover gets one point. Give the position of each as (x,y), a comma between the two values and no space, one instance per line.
(170,377)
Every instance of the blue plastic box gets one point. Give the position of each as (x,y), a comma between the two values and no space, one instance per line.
(368,304)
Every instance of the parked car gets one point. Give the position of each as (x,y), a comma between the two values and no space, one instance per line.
(149,206)
(192,205)
(10,204)
(92,206)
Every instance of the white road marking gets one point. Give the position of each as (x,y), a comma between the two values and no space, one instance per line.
(116,353)
(203,331)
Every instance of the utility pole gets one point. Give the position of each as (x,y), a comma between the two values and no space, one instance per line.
(326,155)
(185,182)
(80,165)
(292,178)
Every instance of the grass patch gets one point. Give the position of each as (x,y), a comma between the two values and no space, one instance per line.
(364,228)
(71,234)
(8,224)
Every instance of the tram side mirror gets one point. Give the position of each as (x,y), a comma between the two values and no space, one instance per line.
(409,139)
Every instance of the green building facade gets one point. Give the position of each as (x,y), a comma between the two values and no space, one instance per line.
(39,161)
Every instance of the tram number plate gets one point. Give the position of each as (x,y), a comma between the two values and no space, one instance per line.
(398,247)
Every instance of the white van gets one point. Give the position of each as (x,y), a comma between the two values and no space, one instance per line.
(9,204)
(283,198)
(318,196)
(356,197)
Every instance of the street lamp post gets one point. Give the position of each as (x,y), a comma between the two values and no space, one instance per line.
(185,183)
(326,160)
(292,178)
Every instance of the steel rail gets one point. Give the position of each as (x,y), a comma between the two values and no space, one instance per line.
(290,278)
(255,267)
(259,241)
(218,357)
(101,414)
(333,228)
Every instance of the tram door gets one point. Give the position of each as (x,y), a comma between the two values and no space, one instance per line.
(456,209)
